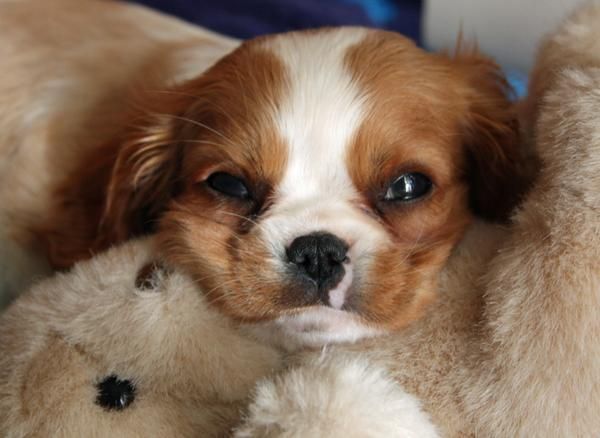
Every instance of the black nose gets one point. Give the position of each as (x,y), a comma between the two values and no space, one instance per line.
(319,256)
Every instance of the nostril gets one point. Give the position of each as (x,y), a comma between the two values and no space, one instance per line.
(338,258)
(319,256)
(333,248)
(297,258)
(336,254)
(303,250)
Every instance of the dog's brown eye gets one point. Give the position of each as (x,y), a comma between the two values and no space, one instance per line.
(228,185)
(408,187)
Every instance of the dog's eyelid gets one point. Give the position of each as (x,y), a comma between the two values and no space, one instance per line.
(229,185)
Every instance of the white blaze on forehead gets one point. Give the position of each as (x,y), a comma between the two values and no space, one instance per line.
(321,109)
(318,114)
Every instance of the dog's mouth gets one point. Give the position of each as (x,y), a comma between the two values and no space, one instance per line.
(318,319)
(314,327)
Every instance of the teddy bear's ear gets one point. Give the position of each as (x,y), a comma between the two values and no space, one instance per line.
(150,276)
(142,180)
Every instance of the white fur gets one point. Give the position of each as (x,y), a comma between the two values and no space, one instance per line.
(322,108)
(337,295)
(312,328)
(349,399)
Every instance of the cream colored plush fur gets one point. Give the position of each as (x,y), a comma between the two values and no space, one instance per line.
(68,69)
(366,403)
(191,368)
(512,347)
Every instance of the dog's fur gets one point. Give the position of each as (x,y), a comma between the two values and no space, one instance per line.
(67,76)
(513,348)
(318,124)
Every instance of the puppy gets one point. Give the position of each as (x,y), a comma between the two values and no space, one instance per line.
(512,350)
(313,183)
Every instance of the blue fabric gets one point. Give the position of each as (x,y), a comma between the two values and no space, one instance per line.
(403,16)
(248,18)
(518,80)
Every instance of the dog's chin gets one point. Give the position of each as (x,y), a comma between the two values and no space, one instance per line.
(313,328)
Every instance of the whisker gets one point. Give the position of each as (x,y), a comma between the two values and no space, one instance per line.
(201,125)
(253,222)
(174,92)
(210,143)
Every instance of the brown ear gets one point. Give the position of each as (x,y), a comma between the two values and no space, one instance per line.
(498,171)
(118,192)
(142,180)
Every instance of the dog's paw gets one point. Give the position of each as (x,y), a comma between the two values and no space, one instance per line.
(335,398)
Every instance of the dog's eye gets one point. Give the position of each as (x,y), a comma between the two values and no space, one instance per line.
(408,187)
(228,185)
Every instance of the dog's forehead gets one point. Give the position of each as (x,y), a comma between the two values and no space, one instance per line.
(320,110)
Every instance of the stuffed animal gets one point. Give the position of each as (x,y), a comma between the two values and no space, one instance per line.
(512,348)
(123,346)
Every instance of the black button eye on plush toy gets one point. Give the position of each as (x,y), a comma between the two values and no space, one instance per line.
(116,321)
(114,393)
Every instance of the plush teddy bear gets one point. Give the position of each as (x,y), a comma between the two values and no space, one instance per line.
(123,346)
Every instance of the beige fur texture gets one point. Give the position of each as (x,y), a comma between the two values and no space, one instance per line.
(512,348)
(191,369)
(366,403)
(126,313)
(64,89)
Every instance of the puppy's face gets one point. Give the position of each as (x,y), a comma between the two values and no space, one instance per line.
(319,180)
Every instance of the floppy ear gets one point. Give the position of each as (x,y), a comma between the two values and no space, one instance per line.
(119,192)
(498,170)
(142,180)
